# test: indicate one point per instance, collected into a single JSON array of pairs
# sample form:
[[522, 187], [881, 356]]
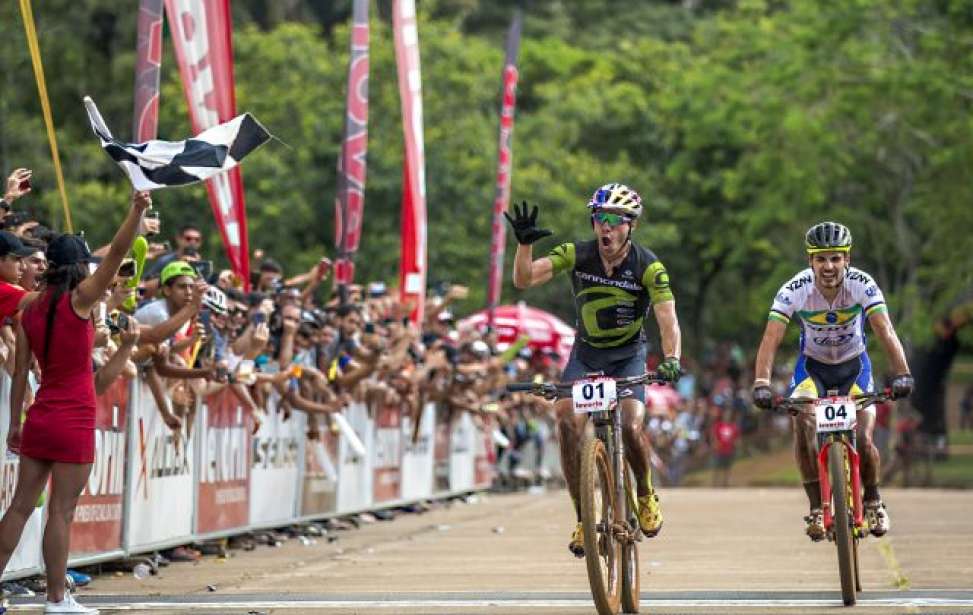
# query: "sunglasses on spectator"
[[604, 217]]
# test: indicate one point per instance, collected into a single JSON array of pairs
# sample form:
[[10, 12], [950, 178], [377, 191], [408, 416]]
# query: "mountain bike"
[[838, 471], [607, 496]]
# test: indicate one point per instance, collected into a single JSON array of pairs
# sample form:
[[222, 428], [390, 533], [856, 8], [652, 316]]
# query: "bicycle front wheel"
[[840, 496], [630, 549], [598, 506]]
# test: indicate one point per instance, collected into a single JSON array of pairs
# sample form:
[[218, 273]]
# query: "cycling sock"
[[813, 489], [871, 493]]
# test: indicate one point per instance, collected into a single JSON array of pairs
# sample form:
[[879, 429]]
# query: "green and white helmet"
[[827, 237]]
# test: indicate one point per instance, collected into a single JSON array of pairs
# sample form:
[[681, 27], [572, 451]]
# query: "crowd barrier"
[[151, 490]]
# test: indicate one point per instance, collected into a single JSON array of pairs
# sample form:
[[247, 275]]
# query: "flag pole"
[[35, 56]]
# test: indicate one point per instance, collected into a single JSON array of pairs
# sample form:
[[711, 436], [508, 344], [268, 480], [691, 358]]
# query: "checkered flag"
[[159, 164]]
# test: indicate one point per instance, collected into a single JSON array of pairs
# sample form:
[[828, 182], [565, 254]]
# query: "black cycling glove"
[[525, 225], [902, 386], [763, 397]]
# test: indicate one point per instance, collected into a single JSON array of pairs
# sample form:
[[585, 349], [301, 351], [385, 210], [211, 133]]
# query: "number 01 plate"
[[593, 395], [836, 414]]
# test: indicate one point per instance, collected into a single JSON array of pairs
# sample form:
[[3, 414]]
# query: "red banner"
[[412, 264], [224, 464], [504, 166], [202, 39], [387, 460], [97, 526], [147, 67], [350, 201]]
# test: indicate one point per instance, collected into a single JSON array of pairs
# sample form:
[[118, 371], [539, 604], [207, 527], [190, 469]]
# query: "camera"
[[117, 323], [204, 269], [127, 269]]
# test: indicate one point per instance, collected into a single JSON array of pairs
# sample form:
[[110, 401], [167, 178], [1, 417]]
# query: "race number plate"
[[836, 414], [593, 395]]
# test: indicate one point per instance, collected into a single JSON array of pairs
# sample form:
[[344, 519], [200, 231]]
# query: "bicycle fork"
[[852, 468]]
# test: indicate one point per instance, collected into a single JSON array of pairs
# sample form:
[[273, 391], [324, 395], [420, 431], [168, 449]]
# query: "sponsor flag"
[[501, 197], [412, 263], [147, 67], [202, 39], [350, 199]]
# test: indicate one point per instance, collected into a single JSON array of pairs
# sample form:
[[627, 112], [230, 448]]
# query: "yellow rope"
[[35, 56]]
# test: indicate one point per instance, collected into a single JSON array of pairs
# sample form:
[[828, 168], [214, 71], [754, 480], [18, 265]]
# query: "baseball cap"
[[11, 244], [68, 249], [176, 269]]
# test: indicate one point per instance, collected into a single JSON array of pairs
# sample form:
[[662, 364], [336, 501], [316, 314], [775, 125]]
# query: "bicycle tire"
[[842, 522], [631, 586], [601, 550], [858, 576]]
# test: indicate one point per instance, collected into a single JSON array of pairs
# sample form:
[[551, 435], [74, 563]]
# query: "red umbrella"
[[546, 331]]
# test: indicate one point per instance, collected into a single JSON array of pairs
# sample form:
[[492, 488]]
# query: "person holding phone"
[[18, 184], [57, 441]]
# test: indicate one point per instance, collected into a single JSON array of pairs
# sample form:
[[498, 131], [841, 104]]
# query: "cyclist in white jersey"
[[832, 300]]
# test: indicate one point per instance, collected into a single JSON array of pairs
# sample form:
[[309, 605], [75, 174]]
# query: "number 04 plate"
[[836, 414], [593, 395]]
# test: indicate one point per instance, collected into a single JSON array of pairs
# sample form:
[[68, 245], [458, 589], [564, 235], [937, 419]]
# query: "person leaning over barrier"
[[57, 440]]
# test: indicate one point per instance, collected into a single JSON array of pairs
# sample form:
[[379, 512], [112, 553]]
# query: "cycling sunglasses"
[[604, 217]]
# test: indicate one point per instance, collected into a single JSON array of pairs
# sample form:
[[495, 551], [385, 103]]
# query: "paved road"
[[730, 551]]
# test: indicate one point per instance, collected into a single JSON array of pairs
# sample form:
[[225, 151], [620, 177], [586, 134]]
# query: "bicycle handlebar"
[[551, 389], [797, 405]]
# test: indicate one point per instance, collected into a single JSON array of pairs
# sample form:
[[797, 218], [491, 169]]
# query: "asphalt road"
[[720, 551]]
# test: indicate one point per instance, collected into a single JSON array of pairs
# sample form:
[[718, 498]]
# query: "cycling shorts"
[[633, 365], [813, 378]]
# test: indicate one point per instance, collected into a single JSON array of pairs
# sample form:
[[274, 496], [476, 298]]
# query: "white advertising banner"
[[417, 456], [462, 451], [355, 472], [161, 495], [277, 461]]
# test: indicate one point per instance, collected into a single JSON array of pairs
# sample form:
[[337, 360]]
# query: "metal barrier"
[[150, 489]]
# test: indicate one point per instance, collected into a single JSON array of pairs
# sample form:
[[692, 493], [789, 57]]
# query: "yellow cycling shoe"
[[650, 514], [576, 546]]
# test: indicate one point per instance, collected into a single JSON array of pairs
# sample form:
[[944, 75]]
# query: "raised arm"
[[527, 271], [92, 288]]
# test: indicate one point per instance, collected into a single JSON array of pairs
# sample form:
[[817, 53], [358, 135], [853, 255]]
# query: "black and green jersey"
[[611, 309]]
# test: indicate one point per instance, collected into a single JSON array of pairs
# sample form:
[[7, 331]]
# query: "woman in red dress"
[[57, 439]]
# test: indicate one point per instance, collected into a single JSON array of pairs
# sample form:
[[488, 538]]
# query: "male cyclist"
[[615, 281], [832, 300]]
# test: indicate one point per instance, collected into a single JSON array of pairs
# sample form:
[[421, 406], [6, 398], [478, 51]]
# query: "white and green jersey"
[[832, 332]]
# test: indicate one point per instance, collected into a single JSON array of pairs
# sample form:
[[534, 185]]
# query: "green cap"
[[176, 269]]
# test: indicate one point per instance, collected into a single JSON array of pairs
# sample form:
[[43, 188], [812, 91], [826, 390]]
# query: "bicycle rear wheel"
[[630, 550], [598, 508], [842, 521]]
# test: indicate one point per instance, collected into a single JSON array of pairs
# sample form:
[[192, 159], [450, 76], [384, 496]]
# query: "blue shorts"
[[629, 366], [814, 379]]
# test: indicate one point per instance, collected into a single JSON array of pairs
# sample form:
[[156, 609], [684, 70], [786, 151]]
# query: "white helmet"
[[215, 300]]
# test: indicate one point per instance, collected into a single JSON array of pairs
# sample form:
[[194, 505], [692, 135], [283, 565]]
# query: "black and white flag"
[[159, 164]]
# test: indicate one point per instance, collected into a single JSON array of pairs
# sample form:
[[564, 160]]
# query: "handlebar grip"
[[516, 387]]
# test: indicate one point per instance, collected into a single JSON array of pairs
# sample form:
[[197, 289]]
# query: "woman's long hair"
[[59, 280]]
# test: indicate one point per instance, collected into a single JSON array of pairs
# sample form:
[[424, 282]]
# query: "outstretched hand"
[[524, 225]]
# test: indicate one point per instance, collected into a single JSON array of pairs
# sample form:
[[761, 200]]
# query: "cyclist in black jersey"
[[615, 281]]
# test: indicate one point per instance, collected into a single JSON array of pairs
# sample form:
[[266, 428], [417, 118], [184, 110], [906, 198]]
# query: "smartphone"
[[259, 318], [204, 269], [369, 327], [127, 270], [25, 184], [154, 214]]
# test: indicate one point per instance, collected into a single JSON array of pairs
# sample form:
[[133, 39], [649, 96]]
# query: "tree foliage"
[[741, 123]]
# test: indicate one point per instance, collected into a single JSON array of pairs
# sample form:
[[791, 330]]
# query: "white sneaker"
[[68, 605]]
